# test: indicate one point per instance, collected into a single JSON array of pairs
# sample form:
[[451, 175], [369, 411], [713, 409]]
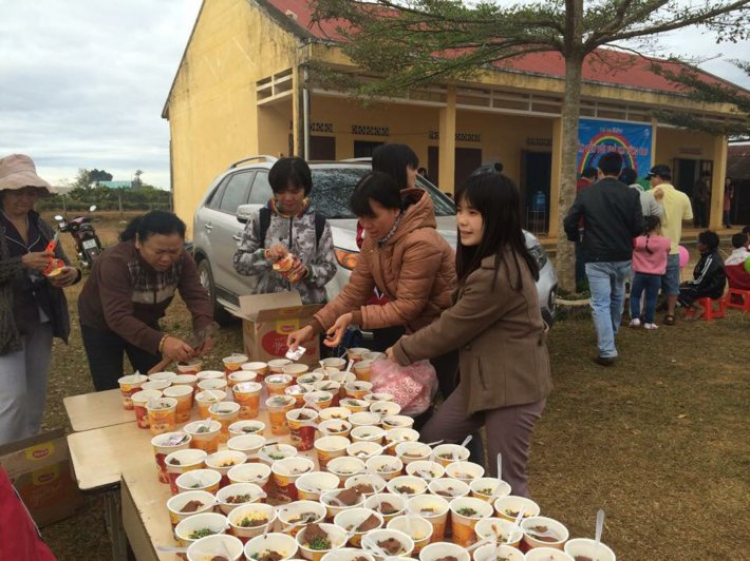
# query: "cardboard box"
[[41, 472], [267, 320]]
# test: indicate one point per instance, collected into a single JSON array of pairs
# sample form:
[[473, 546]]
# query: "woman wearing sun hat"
[[33, 308]]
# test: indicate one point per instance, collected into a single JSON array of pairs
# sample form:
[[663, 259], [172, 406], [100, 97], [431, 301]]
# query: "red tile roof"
[[605, 66]]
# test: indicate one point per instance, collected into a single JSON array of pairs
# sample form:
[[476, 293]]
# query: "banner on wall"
[[632, 140]]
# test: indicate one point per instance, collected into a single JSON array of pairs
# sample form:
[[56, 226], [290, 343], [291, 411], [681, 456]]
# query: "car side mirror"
[[244, 212]]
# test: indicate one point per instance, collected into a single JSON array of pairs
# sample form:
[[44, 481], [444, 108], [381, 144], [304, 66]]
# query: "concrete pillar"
[[447, 166], [296, 111], [555, 176], [654, 128], [717, 182]]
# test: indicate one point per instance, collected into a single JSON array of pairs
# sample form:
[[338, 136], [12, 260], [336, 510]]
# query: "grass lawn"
[[660, 441]]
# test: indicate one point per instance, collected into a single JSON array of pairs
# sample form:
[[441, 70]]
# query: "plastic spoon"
[[463, 445], [598, 535]]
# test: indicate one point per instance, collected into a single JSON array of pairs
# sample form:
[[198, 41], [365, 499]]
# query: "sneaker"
[[650, 326], [635, 322], [604, 360]]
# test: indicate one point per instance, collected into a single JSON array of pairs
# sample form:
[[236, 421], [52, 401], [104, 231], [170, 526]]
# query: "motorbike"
[[88, 246]]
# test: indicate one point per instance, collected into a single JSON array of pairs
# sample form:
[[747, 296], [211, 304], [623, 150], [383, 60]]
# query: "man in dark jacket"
[[612, 214]]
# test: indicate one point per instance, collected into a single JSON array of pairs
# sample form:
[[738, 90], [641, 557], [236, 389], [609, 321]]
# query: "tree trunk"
[[565, 261]]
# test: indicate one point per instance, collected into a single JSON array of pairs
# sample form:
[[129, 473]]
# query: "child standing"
[[649, 264], [709, 275]]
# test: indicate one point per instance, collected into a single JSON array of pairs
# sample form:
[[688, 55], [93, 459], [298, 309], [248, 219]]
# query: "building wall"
[[212, 110], [674, 144]]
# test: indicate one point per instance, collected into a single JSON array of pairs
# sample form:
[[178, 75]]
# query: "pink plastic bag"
[[412, 387]]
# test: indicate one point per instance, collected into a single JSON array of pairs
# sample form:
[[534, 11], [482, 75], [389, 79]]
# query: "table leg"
[[113, 517]]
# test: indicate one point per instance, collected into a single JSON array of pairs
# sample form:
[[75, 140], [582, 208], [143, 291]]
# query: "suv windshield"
[[332, 188]]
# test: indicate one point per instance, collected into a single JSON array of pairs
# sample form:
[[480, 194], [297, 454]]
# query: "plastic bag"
[[413, 387]]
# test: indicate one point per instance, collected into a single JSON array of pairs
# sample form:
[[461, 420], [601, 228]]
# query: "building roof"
[[605, 66]]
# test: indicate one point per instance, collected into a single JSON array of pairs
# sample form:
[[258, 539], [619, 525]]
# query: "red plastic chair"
[[710, 312], [737, 299]]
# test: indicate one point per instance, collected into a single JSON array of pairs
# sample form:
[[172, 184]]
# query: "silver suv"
[[243, 189]]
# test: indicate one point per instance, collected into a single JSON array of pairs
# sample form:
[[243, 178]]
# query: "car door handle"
[[208, 226], [237, 237]]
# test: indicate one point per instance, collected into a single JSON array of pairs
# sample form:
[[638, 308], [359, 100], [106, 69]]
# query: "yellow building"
[[247, 85]]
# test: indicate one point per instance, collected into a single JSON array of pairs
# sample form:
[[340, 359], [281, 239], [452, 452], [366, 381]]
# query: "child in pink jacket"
[[649, 264]]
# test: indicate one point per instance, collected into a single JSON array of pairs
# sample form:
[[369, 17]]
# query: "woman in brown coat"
[[497, 327]]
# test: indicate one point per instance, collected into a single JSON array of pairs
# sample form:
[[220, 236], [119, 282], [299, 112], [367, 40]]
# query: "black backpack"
[[264, 219]]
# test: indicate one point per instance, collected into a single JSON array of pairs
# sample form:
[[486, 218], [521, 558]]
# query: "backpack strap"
[[320, 224], [264, 222]]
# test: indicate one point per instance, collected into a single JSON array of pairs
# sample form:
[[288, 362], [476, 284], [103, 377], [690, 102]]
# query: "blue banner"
[[631, 140]]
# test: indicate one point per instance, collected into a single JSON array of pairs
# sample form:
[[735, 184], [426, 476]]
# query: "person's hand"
[[299, 337], [389, 355], [337, 330], [205, 348], [68, 276], [177, 350], [296, 274], [37, 260], [658, 194], [276, 252]]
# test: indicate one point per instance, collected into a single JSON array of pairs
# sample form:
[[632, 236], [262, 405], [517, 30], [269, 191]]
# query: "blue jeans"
[[607, 284], [650, 284]]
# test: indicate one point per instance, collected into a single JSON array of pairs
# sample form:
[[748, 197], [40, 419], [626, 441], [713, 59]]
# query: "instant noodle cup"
[[184, 397], [449, 488], [311, 485], [215, 547], [260, 368], [334, 388], [185, 380], [400, 435], [443, 550], [164, 444], [199, 480], [158, 385], [256, 473], [465, 513], [318, 400], [489, 488], [343, 378], [308, 380], [446, 454], [162, 414], [540, 531], [413, 452], [464, 471], [295, 370], [274, 452], [397, 422], [547, 554], [210, 375], [333, 362], [191, 367], [156, 376], [344, 467], [498, 530], [347, 554], [386, 467], [128, 386], [355, 353], [509, 507], [183, 461], [234, 361], [363, 370], [140, 399], [223, 460], [336, 540], [335, 428], [278, 383], [584, 547], [354, 405], [387, 505], [247, 395], [225, 413], [205, 435], [337, 413], [297, 393], [295, 516], [285, 546], [206, 398], [212, 384], [492, 552], [367, 484], [189, 504], [241, 428], [373, 355], [367, 433], [285, 474], [376, 537], [328, 448], [238, 494], [241, 377], [425, 469], [364, 450], [302, 427], [407, 485], [326, 371], [379, 397], [358, 389], [385, 408], [249, 444], [352, 519], [417, 528], [334, 505], [251, 520], [364, 419], [278, 406], [200, 526], [434, 510], [276, 366]]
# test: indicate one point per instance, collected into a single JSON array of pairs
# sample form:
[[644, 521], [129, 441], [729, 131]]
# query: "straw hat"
[[18, 171]]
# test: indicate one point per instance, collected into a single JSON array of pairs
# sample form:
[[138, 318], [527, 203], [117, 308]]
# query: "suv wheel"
[[206, 278]]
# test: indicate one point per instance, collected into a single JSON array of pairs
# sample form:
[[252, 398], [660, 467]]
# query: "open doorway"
[[536, 175], [467, 160]]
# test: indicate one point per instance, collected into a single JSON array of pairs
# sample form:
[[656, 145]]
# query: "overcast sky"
[[83, 82]]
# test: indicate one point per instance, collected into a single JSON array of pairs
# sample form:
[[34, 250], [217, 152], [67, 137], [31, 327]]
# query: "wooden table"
[[96, 410]]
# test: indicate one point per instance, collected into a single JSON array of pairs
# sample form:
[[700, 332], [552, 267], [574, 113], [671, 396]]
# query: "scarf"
[[389, 235], [275, 208]]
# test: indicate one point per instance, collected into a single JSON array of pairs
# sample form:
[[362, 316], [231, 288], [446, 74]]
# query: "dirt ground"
[[660, 441]]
